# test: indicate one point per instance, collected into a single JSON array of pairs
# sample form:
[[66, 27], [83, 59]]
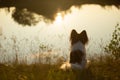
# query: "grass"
[[24, 72], [101, 68]]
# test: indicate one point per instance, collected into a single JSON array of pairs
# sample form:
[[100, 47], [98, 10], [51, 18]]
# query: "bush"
[[113, 47]]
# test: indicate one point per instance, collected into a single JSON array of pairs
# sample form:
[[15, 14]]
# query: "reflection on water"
[[99, 23], [48, 8], [24, 13], [25, 17]]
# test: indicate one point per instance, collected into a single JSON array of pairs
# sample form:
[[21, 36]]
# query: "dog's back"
[[76, 56], [78, 52]]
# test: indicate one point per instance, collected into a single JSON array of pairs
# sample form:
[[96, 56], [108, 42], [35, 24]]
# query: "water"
[[99, 22]]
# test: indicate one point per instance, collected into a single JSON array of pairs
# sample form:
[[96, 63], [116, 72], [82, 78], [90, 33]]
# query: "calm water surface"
[[99, 22]]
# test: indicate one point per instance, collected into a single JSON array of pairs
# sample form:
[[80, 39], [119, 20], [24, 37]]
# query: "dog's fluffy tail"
[[67, 66]]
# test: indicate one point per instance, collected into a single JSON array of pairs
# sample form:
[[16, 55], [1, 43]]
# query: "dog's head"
[[75, 37]]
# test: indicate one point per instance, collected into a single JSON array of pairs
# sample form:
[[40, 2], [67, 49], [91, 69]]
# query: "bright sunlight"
[[58, 18]]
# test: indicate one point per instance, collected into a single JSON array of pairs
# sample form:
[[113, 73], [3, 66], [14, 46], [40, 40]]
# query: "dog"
[[78, 51]]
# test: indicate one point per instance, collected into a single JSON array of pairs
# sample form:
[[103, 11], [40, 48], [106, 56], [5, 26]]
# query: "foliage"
[[25, 17], [102, 68], [114, 46]]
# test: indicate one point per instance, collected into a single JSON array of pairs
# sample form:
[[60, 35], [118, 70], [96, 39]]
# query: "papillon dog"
[[78, 51]]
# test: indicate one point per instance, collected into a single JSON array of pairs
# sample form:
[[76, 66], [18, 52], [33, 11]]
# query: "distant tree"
[[24, 17], [114, 46]]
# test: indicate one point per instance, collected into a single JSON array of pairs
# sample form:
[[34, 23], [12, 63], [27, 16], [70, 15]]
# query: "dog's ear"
[[73, 34], [83, 37]]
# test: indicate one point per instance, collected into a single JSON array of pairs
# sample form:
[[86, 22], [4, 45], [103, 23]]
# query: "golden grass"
[[104, 68]]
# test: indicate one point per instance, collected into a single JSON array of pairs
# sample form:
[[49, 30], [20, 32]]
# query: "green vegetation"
[[102, 67], [113, 47]]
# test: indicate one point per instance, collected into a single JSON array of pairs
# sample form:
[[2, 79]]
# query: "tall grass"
[[102, 67]]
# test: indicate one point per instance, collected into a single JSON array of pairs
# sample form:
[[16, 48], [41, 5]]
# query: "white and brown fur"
[[78, 51]]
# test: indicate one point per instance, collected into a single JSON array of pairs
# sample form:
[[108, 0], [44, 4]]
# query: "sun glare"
[[58, 23], [58, 18]]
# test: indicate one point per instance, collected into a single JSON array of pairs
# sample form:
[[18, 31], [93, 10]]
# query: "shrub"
[[113, 47]]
